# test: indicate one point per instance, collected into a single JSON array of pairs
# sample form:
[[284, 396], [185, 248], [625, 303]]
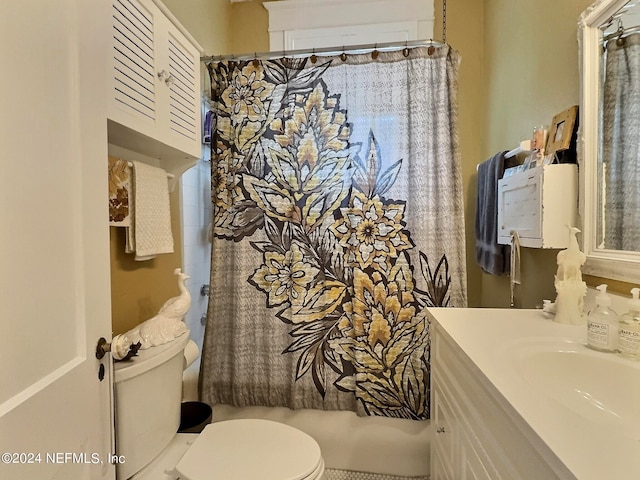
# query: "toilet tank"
[[148, 394]]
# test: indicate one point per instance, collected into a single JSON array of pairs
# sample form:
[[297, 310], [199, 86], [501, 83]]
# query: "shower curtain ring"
[[314, 59], [256, 62], [431, 48], [343, 55], [405, 51], [620, 40], [375, 52]]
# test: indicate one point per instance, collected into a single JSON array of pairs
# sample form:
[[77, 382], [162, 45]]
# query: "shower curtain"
[[338, 218], [620, 156]]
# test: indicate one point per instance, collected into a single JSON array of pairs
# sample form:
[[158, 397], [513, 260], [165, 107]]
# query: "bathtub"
[[386, 446], [379, 445]]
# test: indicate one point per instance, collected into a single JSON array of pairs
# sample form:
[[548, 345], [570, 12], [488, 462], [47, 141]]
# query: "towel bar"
[[524, 147], [169, 175]]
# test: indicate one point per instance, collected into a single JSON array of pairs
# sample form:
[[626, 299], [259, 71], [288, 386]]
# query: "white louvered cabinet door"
[[182, 86], [133, 101], [154, 104]]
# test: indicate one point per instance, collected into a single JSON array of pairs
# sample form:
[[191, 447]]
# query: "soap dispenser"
[[630, 328], [602, 324]]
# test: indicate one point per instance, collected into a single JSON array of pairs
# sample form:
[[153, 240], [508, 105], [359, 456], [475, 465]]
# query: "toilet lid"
[[250, 449]]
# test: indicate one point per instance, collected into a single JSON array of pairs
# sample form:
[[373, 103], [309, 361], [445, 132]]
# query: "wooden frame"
[[561, 131]]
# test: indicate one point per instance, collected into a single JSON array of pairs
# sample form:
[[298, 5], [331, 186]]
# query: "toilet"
[[148, 395]]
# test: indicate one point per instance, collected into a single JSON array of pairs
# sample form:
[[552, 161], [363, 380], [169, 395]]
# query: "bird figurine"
[[158, 330], [568, 282], [177, 307], [570, 260]]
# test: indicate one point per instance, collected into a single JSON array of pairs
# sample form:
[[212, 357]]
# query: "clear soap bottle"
[[602, 324], [629, 344]]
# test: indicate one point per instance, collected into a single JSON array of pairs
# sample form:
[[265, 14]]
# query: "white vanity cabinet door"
[[474, 465], [456, 452], [538, 204], [445, 449], [154, 100], [477, 436]]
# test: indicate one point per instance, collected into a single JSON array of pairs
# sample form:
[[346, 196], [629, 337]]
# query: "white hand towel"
[[150, 234]]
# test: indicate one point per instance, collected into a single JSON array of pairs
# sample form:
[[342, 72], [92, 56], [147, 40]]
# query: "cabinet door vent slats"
[[137, 25], [133, 53], [183, 104]]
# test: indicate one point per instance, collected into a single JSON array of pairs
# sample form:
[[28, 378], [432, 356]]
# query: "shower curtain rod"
[[621, 33], [380, 47]]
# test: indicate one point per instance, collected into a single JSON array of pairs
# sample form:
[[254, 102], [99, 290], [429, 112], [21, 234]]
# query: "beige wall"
[[250, 27], [465, 29], [531, 68], [208, 21], [138, 289]]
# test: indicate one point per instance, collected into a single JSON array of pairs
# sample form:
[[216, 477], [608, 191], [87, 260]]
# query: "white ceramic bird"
[[177, 307], [162, 328], [570, 260]]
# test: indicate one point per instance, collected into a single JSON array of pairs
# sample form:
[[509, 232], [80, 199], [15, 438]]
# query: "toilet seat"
[[251, 449]]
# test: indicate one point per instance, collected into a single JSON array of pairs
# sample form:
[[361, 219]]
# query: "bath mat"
[[332, 474]]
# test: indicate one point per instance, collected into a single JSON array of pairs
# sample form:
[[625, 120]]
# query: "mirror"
[[609, 139]]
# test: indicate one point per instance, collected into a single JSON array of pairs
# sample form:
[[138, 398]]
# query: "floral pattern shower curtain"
[[338, 219]]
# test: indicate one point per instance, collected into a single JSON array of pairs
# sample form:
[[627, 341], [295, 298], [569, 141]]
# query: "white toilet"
[[148, 394]]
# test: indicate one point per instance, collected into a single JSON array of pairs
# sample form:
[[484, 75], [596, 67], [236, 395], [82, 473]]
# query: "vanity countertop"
[[584, 405]]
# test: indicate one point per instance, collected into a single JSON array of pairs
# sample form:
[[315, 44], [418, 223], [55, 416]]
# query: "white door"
[[55, 414]]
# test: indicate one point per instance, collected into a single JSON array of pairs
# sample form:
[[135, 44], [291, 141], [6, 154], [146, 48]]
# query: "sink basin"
[[601, 387]]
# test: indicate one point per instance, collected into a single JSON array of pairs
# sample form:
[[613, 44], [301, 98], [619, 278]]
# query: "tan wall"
[[138, 289], [531, 68], [208, 21], [465, 29], [250, 27]]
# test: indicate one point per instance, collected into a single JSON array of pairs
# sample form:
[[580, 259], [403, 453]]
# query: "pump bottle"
[[602, 324], [629, 345]]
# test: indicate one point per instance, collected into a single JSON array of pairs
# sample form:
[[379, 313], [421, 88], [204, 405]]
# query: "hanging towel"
[[492, 257], [150, 233], [119, 193]]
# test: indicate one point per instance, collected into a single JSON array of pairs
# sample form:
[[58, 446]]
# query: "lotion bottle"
[[602, 324], [629, 345]]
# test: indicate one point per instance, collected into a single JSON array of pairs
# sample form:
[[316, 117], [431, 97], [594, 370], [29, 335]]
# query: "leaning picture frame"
[[561, 131]]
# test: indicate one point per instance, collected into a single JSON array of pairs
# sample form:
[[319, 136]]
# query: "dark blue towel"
[[492, 257]]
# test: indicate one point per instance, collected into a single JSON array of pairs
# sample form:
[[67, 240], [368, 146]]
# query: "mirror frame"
[[612, 264]]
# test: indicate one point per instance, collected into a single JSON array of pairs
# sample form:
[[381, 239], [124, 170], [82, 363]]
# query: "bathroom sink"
[[601, 387]]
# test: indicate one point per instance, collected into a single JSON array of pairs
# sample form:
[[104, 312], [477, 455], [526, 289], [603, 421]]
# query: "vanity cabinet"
[[154, 105], [538, 204], [477, 435]]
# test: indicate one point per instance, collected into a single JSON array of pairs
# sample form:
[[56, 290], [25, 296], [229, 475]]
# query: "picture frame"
[[562, 129]]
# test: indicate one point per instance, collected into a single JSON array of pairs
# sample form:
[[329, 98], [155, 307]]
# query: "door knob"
[[102, 348]]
